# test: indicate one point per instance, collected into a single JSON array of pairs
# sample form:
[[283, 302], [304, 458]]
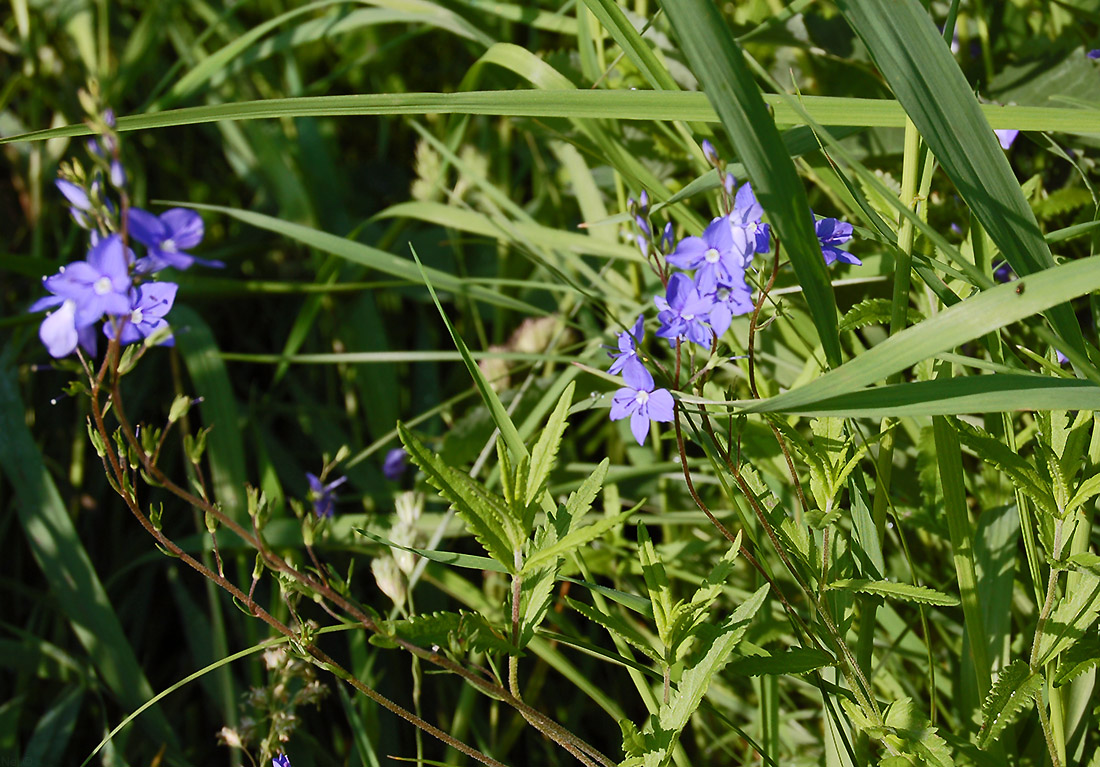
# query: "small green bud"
[[180, 406]]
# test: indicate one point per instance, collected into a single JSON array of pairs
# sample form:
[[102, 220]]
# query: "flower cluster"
[[112, 282], [701, 300]]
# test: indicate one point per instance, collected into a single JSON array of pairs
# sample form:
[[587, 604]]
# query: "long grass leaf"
[[983, 313]]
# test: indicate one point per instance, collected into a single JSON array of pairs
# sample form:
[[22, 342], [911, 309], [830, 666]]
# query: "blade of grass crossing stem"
[[922, 72], [68, 570], [983, 313], [686, 106], [224, 444], [720, 65], [492, 401]]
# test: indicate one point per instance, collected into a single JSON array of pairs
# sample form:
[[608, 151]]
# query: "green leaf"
[[1072, 617], [618, 626], [484, 513], [443, 557], [905, 591], [719, 63], [694, 682], [912, 734], [1077, 659], [545, 450], [796, 660], [873, 311], [922, 72], [638, 604], [577, 537], [1016, 687], [52, 732], [656, 581], [983, 313], [1023, 473], [460, 632]]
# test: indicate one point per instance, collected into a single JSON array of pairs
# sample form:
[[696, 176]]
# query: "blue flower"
[[718, 256], [831, 232], [1094, 54], [323, 497], [167, 238], [394, 464], [683, 311], [746, 215], [730, 301], [1003, 273], [280, 760], [98, 286], [148, 305], [639, 400], [628, 347]]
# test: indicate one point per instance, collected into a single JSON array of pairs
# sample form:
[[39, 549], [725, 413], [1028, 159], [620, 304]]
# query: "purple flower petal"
[[660, 406], [185, 227], [637, 377], [74, 194], [623, 403], [58, 330], [1006, 137], [394, 465], [145, 227], [639, 426]]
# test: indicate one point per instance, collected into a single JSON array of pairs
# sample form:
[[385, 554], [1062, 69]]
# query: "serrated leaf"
[[575, 540], [460, 632], [484, 514], [656, 581], [638, 604], [1071, 618], [580, 500], [619, 626], [1023, 474], [904, 591], [674, 715], [1085, 492], [443, 557], [1078, 658], [1016, 686], [913, 734], [536, 593], [545, 450], [796, 660]]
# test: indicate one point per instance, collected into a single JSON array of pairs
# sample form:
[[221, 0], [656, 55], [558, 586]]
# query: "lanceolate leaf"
[[694, 681], [1072, 618], [796, 660], [575, 540], [487, 518], [1077, 659], [618, 626], [904, 591], [917, 63], [1016, 687], [546, 449]]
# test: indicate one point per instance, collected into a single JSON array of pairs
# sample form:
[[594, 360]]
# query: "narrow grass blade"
[[720, 66], [686, 106], [957, 396], [613, 19], [443, 557], [983, 313]]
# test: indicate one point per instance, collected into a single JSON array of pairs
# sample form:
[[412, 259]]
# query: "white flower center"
[[102, 286], [688, 317], [641, 397], [723, 294], [169, 246], [711, 256], [136, 316]]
